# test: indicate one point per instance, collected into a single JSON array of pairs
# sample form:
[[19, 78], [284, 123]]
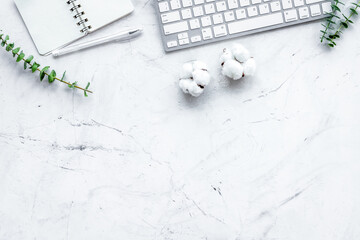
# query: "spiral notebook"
[[55, 24]]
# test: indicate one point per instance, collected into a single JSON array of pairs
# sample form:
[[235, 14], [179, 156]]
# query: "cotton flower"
[[236, 62], [190, 87], [240, 53], [195, 77], [233, 69], [226, 55], [249, 67]]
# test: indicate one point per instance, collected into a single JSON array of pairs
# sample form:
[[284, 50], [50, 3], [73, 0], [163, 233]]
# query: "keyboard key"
[[233, 4], [218, 18], [172, 44], [170, 17], [275, 6], [313, 1], [164, 6], [326, 7], [197, 2], [205, 21], [184, 41], [183, 35], [290, 15], [221, 6], [315, 10], [252, 11], [207, 33], [264, 8], [244, 3], [195, 39], [194, 23], [255, 23], [298, 3], [187, 3], [186, 13], [209, 8], [304, 12], [198, 11], [176, 27], [220, 31], [286, 4], [240, 13], [175, 4], [229, 16], [255, 1]]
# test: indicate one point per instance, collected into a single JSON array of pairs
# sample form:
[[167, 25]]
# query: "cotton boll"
[[197, 65], [196, 77], [201, 77], [250, 67], [187, 70], [190, 87], [233, 69], [226, 55], [240, 53]]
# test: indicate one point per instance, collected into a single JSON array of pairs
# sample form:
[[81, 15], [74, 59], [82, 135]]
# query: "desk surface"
[[271, 157]]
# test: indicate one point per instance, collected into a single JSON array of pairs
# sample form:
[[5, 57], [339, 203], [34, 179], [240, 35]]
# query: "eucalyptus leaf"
[[28, 61], [72, 85], [52, 76], [9, 47], [63, 77], [20, 57], [35, 67], [15, 51], [43, 72]]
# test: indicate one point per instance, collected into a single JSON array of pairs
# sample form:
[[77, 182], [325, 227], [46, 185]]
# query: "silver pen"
[[121, 36]]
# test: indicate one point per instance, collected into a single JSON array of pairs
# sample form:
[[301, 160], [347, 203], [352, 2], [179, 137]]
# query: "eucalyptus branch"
[[335, 8], [344, 22], [35, 67]]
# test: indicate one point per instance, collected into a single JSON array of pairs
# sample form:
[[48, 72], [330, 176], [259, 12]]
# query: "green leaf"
[[331, 45], [9, 47], [15, 51], [335, 8], [34, 67], [357, 5], [43, 71], [63, 76], [52, 76], [353, 11], [344, 24], [87, 87], [73, 85], [28, 61], [4, 41], [20, 57]]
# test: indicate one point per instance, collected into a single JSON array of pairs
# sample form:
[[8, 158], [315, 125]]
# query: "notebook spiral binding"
[[79, 15]]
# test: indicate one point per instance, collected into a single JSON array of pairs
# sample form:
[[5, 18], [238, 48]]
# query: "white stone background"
[[275, 156]]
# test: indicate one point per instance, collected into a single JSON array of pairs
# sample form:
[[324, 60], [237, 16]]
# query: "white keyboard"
[[189, 23]]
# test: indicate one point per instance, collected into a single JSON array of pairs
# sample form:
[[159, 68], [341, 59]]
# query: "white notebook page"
[[50, 23]]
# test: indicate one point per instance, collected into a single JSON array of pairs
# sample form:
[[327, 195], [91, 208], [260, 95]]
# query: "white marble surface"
[[272, 157]]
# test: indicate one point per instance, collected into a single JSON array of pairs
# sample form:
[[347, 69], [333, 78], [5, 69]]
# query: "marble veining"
[[275, 156]]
